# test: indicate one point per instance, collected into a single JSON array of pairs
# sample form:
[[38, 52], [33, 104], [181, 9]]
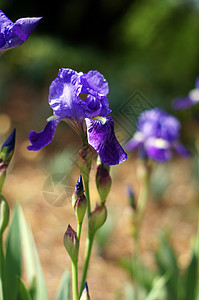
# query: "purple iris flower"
[[82, 100], [14, 34], [190, 100], [156, 136]]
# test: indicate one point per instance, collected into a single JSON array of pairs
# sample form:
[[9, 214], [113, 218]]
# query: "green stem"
[[79, 230], [2, 268], [86, 262], [141, 206], [75, 281], [86, 186]]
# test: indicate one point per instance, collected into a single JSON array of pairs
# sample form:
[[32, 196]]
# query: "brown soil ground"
[[177, 211]]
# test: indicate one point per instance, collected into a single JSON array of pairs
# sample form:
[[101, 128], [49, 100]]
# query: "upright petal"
[[102, 138], [97, 107], [40, 139], [63, 96], [95, 84]]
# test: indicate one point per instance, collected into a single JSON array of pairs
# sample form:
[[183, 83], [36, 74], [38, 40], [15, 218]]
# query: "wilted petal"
[[158, 149], [40, 139], [102, 138]]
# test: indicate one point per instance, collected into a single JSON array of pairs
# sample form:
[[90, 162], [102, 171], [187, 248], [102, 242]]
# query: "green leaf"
[[167, 263], [158, 290], [191, 278], [32, 264], [191, 274], [64, 289], [13, 256], [133, 293], [23, 293], [139, 273]]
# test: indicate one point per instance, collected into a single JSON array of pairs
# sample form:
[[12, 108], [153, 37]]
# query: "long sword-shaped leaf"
[[64, 289], [13, 257], [158, 290], [23, 293], [191, 283], [32, 264]]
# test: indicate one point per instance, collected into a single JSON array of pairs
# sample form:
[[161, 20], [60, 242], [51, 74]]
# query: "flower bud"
[[79, 201], [84, 161], [4, 214], [131, 197], [97, 218], [103, 181], [6, 153], [71, 243], [85, 293]]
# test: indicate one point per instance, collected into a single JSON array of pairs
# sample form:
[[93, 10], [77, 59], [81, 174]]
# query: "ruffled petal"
[[40, 139], [63, 96], [158, 149], [97, 107], [95, 84], [102, 138], [135, 142]]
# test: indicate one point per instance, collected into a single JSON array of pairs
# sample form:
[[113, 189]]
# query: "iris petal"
[[14, 34], [180, 149], [158, 149], [183, 103], [135, 142], [102, 138], [63, 97], [40, 139], [95, 84]]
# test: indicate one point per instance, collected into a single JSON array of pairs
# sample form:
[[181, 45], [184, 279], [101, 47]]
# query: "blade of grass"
[[13, 256]]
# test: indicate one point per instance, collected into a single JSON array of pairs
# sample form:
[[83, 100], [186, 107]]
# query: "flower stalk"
[[86, 262], [143, 174]]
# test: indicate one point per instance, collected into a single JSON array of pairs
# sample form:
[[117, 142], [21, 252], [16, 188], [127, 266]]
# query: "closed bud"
[[79, 201], [71, 243], [131, 197], [97, 218], [85, 293], [6, 153], [84, 161], [4, 214], [103, 181]]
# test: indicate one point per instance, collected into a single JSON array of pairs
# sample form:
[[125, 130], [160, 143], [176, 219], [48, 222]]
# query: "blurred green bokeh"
[[147, 46]]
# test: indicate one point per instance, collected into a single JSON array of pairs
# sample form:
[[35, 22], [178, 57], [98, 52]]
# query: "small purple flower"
[[82, 99], [14, 34], [156, 136], [190, 100]]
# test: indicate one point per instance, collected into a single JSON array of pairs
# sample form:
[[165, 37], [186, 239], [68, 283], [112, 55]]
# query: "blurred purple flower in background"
[[14, 34], [81, 99], [156, 136], [190, 100]]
